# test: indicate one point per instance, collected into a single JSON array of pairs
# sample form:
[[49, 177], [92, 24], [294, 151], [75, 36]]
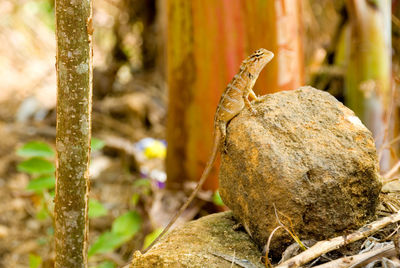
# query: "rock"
[[207, 242], [309, 156]]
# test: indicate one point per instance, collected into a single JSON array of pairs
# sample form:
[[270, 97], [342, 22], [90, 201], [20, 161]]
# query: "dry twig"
[[328, 245], [360, 259]]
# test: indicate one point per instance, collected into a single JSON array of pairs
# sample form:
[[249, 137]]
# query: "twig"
[[360, 259], [392, 171], [232, 259], [267, 262], [328, 245], [290, 232]]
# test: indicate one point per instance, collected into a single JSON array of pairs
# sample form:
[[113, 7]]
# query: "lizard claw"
[[252, 111]]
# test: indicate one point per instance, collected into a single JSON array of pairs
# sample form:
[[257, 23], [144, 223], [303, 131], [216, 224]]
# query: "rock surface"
[[309, 156], [206, 242]]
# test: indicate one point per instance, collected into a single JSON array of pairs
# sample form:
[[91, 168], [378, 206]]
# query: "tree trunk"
[[368, 79], [74, 102], [205, 46]]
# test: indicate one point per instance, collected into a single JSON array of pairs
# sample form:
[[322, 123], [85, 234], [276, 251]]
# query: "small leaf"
[[34, 261], [151, 236], [96, 144], [141, 183], [52, 193], [96, 209], [36, 165], [50, 230], [217, 199], [123, 229], [35, 148], [42, 183], [106, 264], [135, 199], [127, 224], [107, 242], [42, 241], [42, 214]]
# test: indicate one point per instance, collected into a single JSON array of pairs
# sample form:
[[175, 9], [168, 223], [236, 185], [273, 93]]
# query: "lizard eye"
[[257, 54]]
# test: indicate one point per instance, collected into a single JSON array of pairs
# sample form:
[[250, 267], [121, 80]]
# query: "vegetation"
[[141, 48]]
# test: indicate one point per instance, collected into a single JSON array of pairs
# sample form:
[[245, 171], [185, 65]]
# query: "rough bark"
[[74, 101]]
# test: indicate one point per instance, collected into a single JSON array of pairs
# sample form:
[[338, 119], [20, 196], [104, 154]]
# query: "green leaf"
[[217, 199], [96, 209], [127, 224], [36, 165], [106, 264], [34, 261], [42, 214], [151, 237], [107, 242], [96, 144], [141, 183], [52, 193], [42, 183], [135, 199], [42, 241], [50, 230], [35, 148], [123, 229]]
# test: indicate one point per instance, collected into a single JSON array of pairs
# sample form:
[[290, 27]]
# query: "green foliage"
[[135, 199], [96, 209], [151, 237], [36, 165], [141, 183], [34, 261], [35, 148], [106, 264], [123, 229], [96, 144], [127, 224], [42, 214], [217, 199], [45, 182], [42, 9]]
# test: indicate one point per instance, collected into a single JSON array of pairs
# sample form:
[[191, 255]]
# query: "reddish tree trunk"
[[206, 44]]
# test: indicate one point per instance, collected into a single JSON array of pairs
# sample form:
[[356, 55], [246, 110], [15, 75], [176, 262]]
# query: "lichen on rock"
[[201, 243]]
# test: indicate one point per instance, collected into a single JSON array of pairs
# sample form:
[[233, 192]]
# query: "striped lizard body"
[[232, 102]]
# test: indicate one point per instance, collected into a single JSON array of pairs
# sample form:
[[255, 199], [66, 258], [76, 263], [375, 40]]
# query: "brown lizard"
[[232, 101]]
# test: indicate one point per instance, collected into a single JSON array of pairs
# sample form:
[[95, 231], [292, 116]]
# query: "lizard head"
[[256, 61]]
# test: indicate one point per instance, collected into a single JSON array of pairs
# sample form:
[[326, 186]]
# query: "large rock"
[[309, 156], [208, 242]]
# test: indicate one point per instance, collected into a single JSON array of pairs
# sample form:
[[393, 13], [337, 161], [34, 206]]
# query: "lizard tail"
[[206, 172]]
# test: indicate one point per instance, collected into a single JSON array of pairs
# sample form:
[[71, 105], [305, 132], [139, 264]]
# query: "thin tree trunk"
[[368, 78], [395, 124], [74, 102], [206, 44]]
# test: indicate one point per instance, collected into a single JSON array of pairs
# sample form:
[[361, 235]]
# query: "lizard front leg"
[[253, 95], [248, 104]]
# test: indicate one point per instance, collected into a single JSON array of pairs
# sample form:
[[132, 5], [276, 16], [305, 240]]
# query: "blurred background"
[[151, 56]]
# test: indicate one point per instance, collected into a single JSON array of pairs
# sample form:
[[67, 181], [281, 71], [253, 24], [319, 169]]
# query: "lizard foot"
[[252, 111]]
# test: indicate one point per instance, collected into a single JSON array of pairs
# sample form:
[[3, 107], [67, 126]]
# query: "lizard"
[[232, 102]]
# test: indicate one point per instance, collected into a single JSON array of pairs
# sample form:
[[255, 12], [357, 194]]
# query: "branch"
[[325, 246]]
